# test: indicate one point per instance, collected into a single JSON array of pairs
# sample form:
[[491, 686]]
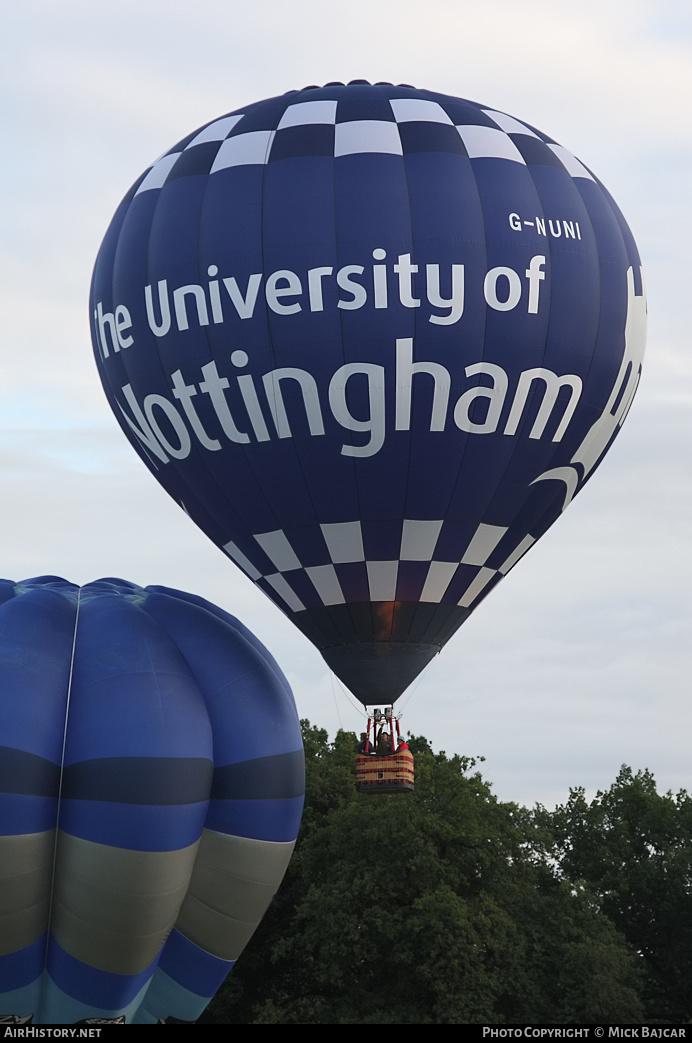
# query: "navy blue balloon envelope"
[[151, 788], [373, 339]]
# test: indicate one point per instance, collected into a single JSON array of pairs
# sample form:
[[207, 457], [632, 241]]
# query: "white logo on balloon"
[[597, 440]]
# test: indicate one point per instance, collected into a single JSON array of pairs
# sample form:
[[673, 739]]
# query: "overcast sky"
[[581, 660]]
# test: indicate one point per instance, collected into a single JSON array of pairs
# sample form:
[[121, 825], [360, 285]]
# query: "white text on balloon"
[[503, 290], [166, 432]]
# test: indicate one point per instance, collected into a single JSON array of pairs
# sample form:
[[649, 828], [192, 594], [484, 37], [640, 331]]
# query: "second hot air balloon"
[[373, 339], [151, 787]]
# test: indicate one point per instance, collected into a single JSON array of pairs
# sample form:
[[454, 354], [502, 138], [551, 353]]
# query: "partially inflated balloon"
[[151, 787], [373, 339]]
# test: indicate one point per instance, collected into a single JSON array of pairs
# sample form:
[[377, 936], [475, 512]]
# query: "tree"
[[437, 907], [634, 848]]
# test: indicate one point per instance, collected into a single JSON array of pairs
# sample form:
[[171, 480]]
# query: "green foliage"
[[634, 847], [329, 769], [447, 906]]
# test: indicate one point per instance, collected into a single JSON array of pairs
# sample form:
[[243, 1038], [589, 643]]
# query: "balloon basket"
[[384, 763], [384, 774]]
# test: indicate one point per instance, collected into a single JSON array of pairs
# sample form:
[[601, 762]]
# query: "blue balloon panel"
[[151, 788], [373, 339]]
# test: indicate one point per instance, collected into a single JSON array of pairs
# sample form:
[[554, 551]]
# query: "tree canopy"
[[448, 906]]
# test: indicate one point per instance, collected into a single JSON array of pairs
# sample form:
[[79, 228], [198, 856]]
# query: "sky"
[[579, 662]]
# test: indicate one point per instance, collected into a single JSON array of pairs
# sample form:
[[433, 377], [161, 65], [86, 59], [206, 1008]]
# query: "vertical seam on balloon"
[[200, 453], [436, 97], [202, 456], [287, 611], [266, 304], [153, 342], [415, 316], [610, 202], [202, 691], [483, 349], [527, 418], [526, 415], [352, 461], [264, 274], [246, 527], [57, 815], [415, 333], [121, 356], [515, 449]]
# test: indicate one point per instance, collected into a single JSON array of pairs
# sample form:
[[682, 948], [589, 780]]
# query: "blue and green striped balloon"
[[151, 788]]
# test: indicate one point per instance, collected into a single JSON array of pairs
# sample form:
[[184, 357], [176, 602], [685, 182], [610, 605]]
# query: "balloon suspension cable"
[[410, 691], [357, 706], [336, 703]]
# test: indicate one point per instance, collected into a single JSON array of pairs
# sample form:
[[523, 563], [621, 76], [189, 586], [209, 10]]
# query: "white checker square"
[[439, 577], [367, 136], [488, 143], [418, 110], [159, 172], [382, 579], [517, 553], [240, 559], [277, 548], [508, 123], [476, 586], [216, 131], [570, 162], [344, 541], [326, 583], [418, 539], [308, 112], [286, 592], [244, 149], [484, 541]]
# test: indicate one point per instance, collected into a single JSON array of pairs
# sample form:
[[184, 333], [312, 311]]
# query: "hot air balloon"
[[151, 788], [373, 340]]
